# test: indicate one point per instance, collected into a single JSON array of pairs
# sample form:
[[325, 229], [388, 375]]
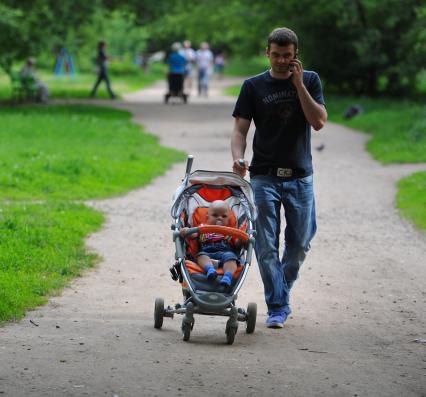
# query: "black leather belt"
[[280, 172]]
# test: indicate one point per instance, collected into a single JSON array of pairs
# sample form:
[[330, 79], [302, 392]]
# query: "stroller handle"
[[189, 161], [225, 230]]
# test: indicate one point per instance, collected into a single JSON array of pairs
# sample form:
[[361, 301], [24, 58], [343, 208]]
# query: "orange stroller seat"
[[199, 217]]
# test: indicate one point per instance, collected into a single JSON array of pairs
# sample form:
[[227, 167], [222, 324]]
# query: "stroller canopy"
[[214, 179]]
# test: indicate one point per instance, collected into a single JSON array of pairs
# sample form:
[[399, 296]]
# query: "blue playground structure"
[[64, 64]]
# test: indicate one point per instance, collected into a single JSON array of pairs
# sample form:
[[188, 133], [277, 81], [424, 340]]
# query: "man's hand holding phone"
[[296, 69]]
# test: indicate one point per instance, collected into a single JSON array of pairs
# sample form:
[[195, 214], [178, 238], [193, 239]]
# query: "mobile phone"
[[291, 66]]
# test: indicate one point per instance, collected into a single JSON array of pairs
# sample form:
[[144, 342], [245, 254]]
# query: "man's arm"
[[314, 112], [239, 144]]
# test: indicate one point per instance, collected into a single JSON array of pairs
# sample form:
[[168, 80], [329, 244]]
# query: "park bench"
[[23, 87]]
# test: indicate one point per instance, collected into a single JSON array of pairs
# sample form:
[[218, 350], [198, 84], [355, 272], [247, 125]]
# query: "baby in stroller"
[[217, 208], [217, 250]]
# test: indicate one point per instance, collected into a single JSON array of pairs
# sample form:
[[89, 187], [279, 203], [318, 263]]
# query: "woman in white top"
[[204, 64], [190, 57]]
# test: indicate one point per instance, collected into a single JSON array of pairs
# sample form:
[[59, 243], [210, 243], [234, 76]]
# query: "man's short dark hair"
[[283, 37]]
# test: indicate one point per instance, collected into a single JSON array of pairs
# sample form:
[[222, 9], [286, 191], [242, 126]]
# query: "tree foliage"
[[362, 46], [12, 43], [357, 46], [28, 27], [236, 25]]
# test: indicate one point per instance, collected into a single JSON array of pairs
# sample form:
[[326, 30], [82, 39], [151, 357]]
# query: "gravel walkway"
[[358, 307]]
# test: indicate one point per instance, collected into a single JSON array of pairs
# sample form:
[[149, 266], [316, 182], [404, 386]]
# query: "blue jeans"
[[102, 75], [203, 81], [297, 197]]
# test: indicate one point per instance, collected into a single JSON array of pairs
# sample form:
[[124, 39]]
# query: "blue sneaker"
[[276, 319], [226, 280], [211, 273]]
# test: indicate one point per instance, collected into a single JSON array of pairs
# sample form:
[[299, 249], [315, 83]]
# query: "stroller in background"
[[203, 296], [175, 81]]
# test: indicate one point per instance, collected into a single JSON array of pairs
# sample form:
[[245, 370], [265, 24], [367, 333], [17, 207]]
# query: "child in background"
[[219, 64]]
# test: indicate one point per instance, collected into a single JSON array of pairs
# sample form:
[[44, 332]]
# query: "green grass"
[[122, 81], [75, 152], [233, 91], [50, 157], [41, 249], [411, 198]]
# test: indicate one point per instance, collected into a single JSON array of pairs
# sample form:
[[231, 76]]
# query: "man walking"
[[101, 62], [204, 59], [284, 102]]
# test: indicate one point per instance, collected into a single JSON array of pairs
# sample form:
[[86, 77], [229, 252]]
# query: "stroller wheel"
[[186, 331], [232, 326], [158, 313], [230, 334], [188, 321], [251, 317]]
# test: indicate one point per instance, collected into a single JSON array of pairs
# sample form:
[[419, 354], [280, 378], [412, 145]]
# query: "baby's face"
[[218, 216]]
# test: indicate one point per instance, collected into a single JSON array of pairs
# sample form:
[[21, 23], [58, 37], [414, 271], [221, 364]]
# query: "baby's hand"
[[239, 243], [183, 231]]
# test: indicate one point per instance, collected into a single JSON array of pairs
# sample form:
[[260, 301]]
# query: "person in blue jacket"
[[177, 67]]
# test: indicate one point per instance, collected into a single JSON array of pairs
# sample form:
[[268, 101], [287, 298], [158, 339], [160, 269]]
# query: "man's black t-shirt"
[[283, 135]]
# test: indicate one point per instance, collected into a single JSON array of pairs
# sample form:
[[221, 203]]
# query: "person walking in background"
[[219, 64], [204, 64], [177, 64], [101, 63], [284, 102], [190, 57]]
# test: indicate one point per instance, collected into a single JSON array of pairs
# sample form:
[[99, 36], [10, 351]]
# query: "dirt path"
[[357, 308]]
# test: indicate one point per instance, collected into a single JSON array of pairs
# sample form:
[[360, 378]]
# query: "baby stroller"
[[175, 81], [203, 296]]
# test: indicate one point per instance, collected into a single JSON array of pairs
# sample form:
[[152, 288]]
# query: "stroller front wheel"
[[251, 317], [158, 313], [232, 326], [230, 334], [188, 321], [186, 331]]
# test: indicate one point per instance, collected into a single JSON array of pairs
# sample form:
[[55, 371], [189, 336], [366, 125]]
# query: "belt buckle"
[[284, 172]]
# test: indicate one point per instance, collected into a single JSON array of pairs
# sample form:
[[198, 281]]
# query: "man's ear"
[[267, 52]]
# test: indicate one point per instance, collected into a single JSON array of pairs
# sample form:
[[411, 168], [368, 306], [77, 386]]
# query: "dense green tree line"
[[41, 27], [29, 27], [358, 46]]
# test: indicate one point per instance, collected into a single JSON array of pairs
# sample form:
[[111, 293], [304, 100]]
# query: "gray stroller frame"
[[202, 296]]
